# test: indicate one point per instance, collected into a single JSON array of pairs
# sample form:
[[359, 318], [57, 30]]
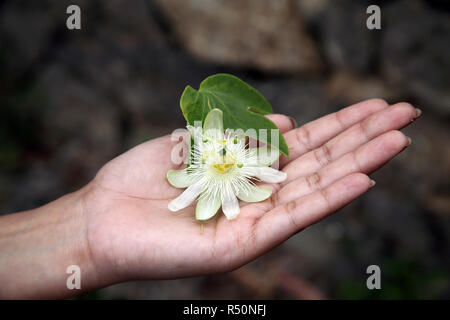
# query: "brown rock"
[[263, 34], [351, 88]]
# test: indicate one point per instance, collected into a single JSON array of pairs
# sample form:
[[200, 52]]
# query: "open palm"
[[133, 235]]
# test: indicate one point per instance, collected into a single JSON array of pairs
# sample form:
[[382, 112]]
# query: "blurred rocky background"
[[72, 100]]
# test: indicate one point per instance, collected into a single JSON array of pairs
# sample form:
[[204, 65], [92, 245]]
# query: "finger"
[[285, 220], [392, 118], [366, 159], [284, 123], [317, 132]]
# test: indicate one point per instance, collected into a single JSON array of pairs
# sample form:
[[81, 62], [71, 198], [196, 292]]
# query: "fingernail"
[[418, 112], [409, 141], [372, 183], [294, 123]]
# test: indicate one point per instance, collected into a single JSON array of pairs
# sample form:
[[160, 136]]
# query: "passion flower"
[[222, 170]]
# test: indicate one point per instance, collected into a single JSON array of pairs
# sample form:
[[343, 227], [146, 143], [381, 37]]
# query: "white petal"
[[207, 207], [255, 194], [186, 198], [179, 178], [213, 126], [230, 204], [266, 174]]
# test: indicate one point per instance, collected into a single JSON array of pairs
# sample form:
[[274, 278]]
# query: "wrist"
[[79, 249], [38, 246], [97, 271]]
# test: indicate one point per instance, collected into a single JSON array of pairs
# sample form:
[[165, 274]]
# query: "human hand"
[[131, 234]]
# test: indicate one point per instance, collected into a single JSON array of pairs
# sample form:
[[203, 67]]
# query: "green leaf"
[[243, 107]]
